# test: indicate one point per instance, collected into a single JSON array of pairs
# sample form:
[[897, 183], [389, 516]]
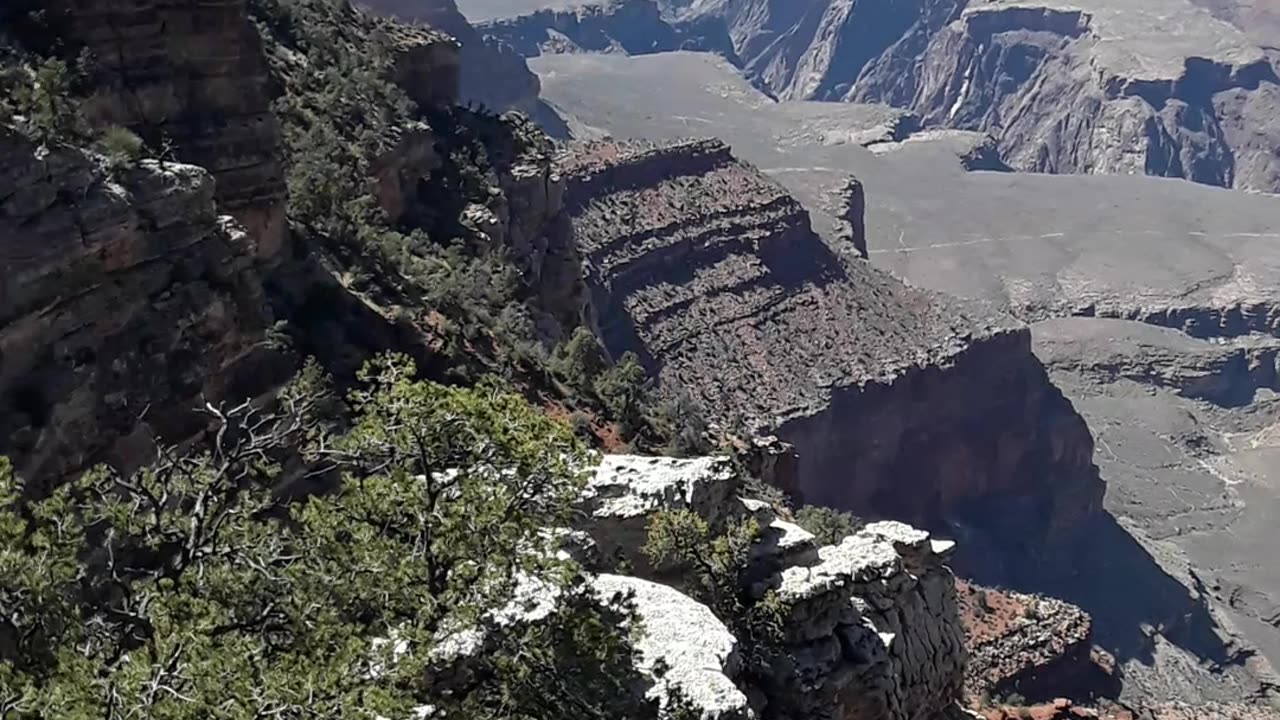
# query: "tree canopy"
[[422, 581]]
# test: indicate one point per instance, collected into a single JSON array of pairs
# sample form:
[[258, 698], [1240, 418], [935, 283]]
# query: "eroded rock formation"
[[194, 75], [870, 627], [634, 27], [493, 73], [1037, 648], [126, 302], [1161, 88], [901, 403]]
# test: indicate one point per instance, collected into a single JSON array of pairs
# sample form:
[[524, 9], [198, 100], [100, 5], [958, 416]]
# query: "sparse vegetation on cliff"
[[195, 589], [711, 567]]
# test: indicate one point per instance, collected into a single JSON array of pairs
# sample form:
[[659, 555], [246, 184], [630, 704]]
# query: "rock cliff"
[[902, 403], [126, 302], [870, 627], [493, 73], [193, 75], [633, 27], [1036, 648], [1161, 88]]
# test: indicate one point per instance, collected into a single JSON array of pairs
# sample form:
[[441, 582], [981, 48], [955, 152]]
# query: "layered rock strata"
[[870, 627], [191, 76], [1160, 88], [126, 303], [900, 402], [634, 27]]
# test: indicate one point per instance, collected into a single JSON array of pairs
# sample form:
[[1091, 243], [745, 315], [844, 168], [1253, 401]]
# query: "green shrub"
[[193, 590], [829, 525], [120, 146], [712, 570]]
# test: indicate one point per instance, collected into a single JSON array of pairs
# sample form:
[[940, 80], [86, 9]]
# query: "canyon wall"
[[870, 628], [1131, 87], [634, 27], [193, 77], [126, 303], [903, 403], [493, 73]]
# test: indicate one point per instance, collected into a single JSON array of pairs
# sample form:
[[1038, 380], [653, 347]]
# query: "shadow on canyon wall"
[[1105, 570]]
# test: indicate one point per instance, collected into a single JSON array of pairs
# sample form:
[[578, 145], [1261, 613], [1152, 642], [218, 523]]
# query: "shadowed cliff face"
[[901, 403], [121, 311], [493, 73], [192, 77]]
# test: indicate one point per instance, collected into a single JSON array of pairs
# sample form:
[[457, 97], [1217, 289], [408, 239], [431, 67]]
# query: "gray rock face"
[[493, 73], [195, 75], [870, 626], [872, 630], [119, 311], [633, 27], [698, 652], [1155, 87], [625, 490]]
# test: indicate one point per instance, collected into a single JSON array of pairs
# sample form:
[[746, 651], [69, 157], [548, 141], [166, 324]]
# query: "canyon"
[[1156, 87], [1169, 284], [914, 241]]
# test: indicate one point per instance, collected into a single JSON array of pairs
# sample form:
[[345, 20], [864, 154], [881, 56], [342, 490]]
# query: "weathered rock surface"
[[193, 74], [698, 653], [1159, 87], [633, 27], [125, 303], [712, 274], [493, 73], [1037, 648], [626, 490], [870, 627], [872, 630], [428, 66]]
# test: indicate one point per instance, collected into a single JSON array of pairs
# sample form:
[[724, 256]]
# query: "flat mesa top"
[[1148, 39], [479, 11]]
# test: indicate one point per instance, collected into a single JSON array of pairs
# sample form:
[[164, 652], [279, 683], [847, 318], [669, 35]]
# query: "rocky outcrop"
[[634, 27], [1229, 373], [428, 66], [1036, 648], [1064, 94], [869, 627], [871, 630], [493, 73], [192, 75], [901, 403], [683, 641], [126, 303]]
